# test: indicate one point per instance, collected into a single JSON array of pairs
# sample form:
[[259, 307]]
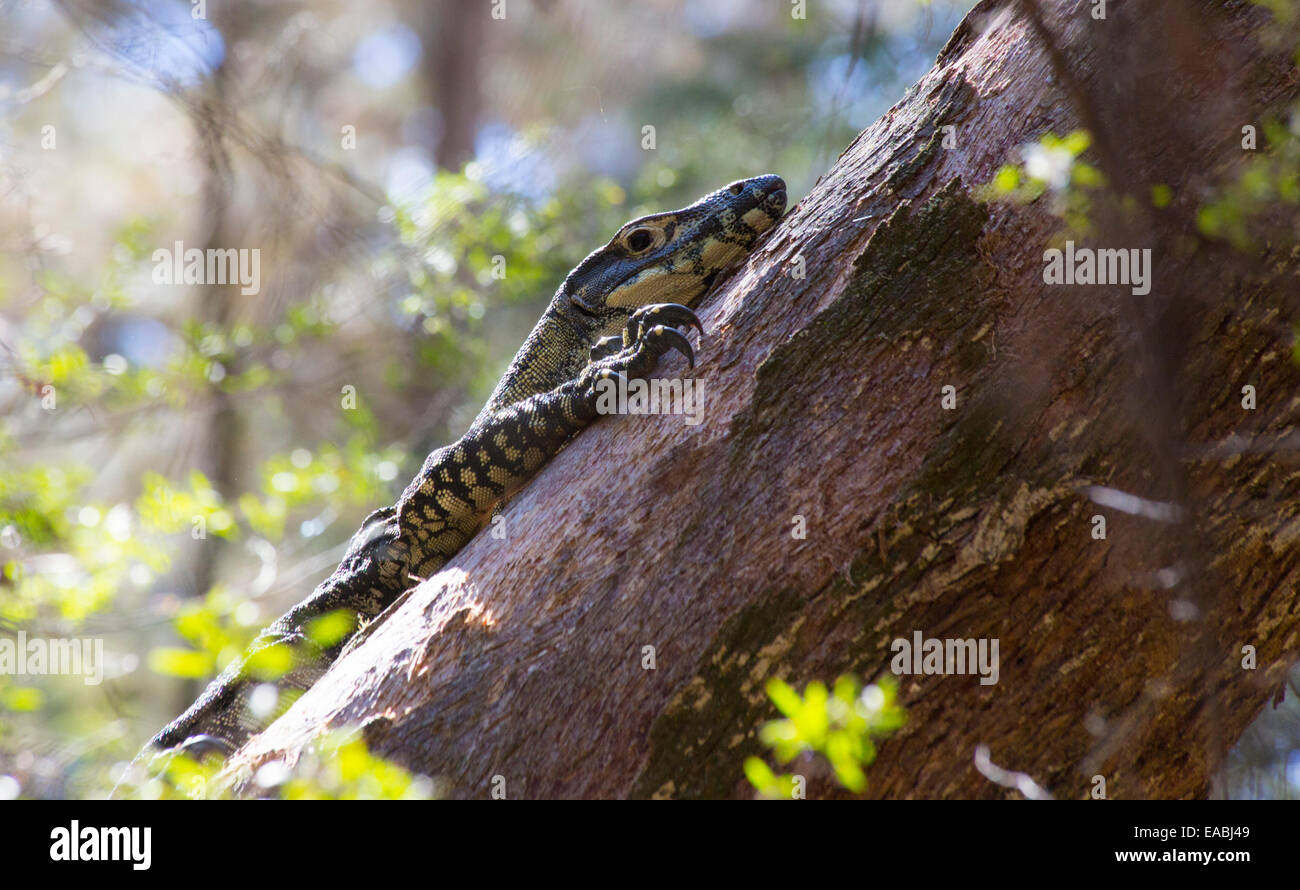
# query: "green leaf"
[[1077, 142], [784, 697], [760, 775], [271, 663], [23, 698], [1083, 173], [1007, 179], [185, 663], [331, 628]]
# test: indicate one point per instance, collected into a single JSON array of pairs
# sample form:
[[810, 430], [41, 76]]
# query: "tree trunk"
[[1120, 657], [453, 35]]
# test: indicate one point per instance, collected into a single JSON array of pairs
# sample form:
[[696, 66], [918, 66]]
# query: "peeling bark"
[[523, 657]]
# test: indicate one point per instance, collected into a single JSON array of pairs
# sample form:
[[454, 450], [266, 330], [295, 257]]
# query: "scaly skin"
[[615, 314]]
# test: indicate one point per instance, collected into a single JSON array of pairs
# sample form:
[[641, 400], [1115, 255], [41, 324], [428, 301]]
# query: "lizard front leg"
[[459, 486]]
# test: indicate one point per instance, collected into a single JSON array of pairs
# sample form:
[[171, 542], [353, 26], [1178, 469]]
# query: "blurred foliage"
[[840, 725], [1051, 166], [335, 767], [475, 252], [1244, 210]]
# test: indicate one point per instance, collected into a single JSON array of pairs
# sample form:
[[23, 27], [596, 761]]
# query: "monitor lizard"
[[615, 315]]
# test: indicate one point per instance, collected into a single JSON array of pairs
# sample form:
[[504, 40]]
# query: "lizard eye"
[[639, 240], [736, 188]]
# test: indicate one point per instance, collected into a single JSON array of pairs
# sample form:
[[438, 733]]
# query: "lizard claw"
[[199, 746], [195, 747], [611, 374], [678, 316], [672, 315], [605, 347], [674, 339]]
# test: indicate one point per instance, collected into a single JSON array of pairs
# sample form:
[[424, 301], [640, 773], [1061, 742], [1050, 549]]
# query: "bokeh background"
[[181, 463]]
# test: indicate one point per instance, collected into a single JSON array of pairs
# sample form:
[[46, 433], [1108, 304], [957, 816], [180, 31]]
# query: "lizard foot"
[[648, 341], [640, 322], [670, 315]]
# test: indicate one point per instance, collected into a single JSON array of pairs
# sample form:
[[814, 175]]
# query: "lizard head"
[[674, 257]]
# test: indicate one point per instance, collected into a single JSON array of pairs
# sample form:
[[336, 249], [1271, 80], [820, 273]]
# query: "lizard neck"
[[555, 351]]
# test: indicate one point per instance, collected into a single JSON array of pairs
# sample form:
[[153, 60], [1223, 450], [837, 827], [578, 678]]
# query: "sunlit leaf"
[[185, 663]]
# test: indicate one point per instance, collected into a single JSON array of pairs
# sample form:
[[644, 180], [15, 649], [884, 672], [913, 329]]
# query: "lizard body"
[[614, 315]]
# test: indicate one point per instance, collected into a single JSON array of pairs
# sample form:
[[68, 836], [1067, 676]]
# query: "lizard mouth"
[[768, 199], [772, 191], [766, 193]]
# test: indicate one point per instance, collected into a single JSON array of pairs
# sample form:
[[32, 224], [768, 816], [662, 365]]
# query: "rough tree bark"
[[523, 658]]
